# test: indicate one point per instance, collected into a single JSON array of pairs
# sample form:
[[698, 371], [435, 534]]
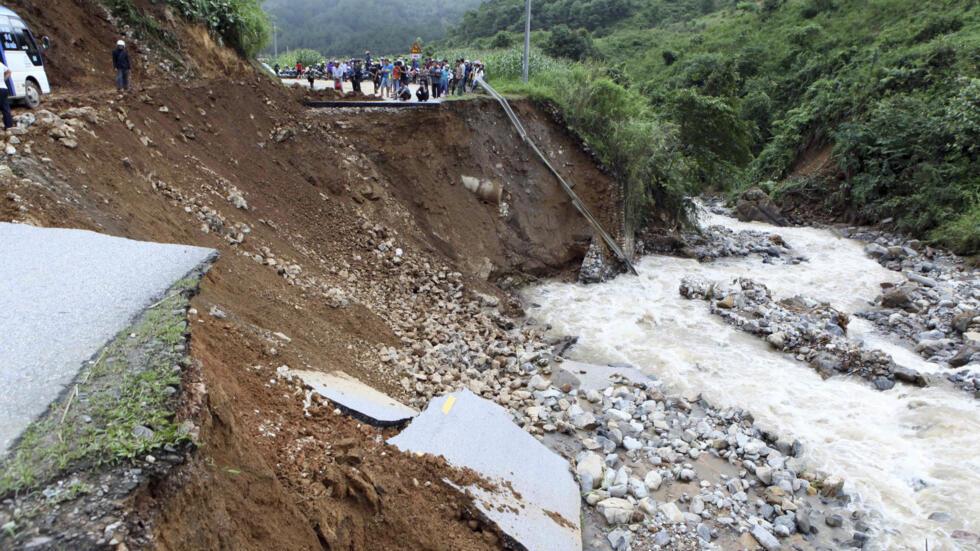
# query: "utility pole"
[[275, 38], [527, 43]]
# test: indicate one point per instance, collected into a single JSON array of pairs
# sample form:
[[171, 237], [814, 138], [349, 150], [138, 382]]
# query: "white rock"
[[697, 505], [616, 510], [631, 443], [653, 480], [648, 505], [637, 488], [754, 446], [672, 512], [764, 474], [538, 383], [765, 538], [589, 470], [584, 421], [617, 414], [238, 200]]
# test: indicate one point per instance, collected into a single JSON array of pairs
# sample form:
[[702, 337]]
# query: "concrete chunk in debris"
[[536, 501], [358, 399]]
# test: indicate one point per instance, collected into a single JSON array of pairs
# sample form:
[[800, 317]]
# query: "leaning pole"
[[527, 43]]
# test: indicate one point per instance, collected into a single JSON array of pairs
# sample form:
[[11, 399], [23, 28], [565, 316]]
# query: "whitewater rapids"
[[905, 453]]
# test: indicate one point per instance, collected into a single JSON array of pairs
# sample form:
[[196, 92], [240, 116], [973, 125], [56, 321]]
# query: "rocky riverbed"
[[808, 304], [812, 331], [936, 308], [656, 469]]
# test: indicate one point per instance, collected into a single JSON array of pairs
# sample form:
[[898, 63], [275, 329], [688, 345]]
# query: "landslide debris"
[[342, 249], [936, 309]]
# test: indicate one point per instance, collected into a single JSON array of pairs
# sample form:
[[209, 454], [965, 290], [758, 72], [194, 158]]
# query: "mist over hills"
[[352, 26]]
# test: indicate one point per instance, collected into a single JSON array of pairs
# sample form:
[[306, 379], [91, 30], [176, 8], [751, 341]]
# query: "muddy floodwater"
[[906, 453]]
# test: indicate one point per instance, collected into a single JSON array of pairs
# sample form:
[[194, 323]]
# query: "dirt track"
[[326, 192]]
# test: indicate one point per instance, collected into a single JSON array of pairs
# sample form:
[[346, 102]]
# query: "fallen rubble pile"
[[716, 242], [937, 308], [813, 332], [665, 471]]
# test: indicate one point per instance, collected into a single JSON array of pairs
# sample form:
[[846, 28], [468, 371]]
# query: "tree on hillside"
[[565, 42]]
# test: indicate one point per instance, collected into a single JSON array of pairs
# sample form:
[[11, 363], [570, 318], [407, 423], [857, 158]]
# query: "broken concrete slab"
[[536, 501], [356, 398], [63, 295], [597, 377]]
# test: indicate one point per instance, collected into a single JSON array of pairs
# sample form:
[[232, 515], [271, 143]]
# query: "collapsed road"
[[394, 273]]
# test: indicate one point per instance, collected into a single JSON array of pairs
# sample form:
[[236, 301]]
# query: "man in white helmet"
[[120, 62]]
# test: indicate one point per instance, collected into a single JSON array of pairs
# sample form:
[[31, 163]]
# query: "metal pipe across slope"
[[576, 202]]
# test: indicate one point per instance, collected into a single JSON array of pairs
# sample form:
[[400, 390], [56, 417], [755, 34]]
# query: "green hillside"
[[348, 27], [888, 89]]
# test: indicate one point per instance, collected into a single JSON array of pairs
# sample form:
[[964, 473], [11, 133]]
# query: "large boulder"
[[896, 298], [616, 510], [961, 322], [755, 206]]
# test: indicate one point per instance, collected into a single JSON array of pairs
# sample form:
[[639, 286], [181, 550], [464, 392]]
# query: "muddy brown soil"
[[323, 190]]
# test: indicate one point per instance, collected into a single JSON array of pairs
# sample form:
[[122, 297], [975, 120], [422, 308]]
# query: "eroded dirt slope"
[[348, 242], [344, 247]]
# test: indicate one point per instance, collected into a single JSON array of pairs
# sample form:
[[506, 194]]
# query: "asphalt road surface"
[[63, 295]]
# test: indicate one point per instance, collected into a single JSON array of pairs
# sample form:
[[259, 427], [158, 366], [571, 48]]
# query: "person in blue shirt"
[[386, 84], [444, 78]]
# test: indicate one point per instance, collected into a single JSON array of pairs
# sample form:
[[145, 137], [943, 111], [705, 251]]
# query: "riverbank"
[[918, 486]]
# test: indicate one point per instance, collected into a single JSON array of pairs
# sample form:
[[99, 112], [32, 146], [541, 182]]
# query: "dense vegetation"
[[746, 92], [238, 24], [593, 15], [349, 27]]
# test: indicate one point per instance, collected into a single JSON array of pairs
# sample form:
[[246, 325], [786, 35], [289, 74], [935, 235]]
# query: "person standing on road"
[[383, 77], [435, 77], [338, 78], [405, 79], [477, 74], [8, 118], [355, 77], [444, 79], [120, 62], [461, 74], [396, 77], [311, 76]]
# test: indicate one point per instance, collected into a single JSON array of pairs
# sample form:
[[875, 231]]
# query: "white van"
[[22, 54]]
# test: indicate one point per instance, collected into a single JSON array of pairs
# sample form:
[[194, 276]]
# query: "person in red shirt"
[[299, 69]]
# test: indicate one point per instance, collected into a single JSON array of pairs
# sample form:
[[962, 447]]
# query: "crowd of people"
[[392, 78]]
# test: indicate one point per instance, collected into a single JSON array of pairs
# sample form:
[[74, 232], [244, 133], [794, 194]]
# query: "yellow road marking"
[[448, 405]]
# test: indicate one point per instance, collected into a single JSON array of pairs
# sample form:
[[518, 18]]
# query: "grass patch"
[[120, 407]]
